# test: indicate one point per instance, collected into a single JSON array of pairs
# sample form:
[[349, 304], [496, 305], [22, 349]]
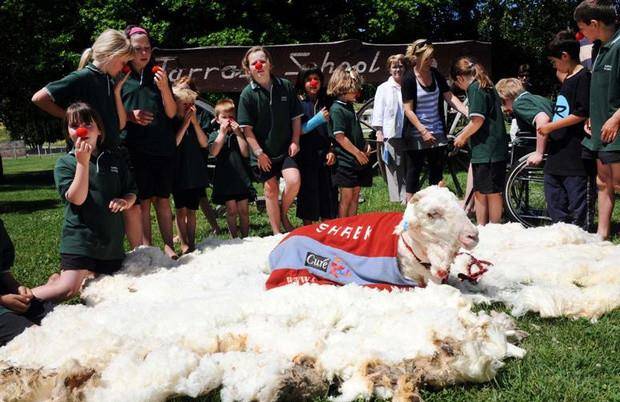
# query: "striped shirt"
[[427, 112]]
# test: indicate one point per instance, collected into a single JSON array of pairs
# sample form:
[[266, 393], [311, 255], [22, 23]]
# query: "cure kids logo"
[[317, 262]]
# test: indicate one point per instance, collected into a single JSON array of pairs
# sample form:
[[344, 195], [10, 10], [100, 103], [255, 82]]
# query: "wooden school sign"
[[218, 69]]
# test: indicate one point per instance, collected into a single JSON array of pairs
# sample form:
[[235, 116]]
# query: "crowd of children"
[[137, 139]]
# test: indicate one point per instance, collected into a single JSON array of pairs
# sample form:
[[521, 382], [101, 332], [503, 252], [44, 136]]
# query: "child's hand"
[[609, 132], [460, 141], [26, 292], [587, 128], [225, 125], [264, 163], [361, 157], [293, 149], [330, 159], [83, 150], [141, 117], [161, 79], [190, 114], [17, 303], [118, 205], [427, 136], [119, 83], [325, 113], [535, 159]]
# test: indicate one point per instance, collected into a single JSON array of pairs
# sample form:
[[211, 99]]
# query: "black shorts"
[[189, 198], [154, 175], [277, 166], [489, 178], [222, 200], [346, 177], [607, 157], [13, 324], [71, 262]]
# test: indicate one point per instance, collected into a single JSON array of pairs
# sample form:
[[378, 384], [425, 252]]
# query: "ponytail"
[[87, 54], [469, 67]]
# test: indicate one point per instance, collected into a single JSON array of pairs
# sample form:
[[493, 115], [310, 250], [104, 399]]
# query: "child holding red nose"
[[95, 187]]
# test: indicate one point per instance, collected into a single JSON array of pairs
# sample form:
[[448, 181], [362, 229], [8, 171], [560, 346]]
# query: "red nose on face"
[[126, 69], [314, 84], [156, 69], [579, 36], [81, 132], [258, 66]]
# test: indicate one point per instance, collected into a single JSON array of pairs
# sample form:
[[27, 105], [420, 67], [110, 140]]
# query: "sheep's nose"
[[470, 239]]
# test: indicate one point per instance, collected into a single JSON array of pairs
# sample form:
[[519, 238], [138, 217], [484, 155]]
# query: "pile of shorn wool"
[[207, 325]]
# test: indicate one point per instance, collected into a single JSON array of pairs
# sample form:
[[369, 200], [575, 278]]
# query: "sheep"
[[378, 249], [208, 325]]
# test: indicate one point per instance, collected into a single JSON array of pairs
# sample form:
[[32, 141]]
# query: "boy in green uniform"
[[232, 185], [487, 138], [531, 111], [95, 185], [270, 116], [596, 19]]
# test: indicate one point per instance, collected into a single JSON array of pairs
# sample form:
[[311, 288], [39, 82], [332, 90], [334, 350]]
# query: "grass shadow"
[[26, 207], [26, 181]]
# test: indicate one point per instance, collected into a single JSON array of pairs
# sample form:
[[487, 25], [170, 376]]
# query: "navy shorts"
[[489, 178], [277, 166], [72, 262], [607, 157], [189, 198]]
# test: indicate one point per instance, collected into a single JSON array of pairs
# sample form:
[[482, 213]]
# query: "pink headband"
[[138, 30]]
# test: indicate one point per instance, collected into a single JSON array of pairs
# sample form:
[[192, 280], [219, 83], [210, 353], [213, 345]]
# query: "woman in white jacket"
[[387, 119]]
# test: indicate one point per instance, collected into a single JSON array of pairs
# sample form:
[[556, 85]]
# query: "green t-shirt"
[[604, 93], [526, 107], [91, 229], [269, 113], [343, 119], [490, 142], [141, 92], [92, 86], [7, 257]]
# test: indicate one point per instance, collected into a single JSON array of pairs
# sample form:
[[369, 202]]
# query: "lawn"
[[567, 360]]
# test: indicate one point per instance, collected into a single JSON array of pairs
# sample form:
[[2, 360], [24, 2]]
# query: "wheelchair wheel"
[[524, 195]]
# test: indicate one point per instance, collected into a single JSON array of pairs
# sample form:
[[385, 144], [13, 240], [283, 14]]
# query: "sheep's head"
[[439, 227]]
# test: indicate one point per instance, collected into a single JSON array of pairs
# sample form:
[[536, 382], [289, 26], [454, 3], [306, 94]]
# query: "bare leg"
[[346, 197], [133, 225], [164, 220], [354, 202], [468, 189], [182, 227], [145, 211], [191, 230], [496, 207], [293, 182], [63, 287], [231, 218], [244, 217], [271, 190], [482, 213], [605, 199], [209, 213]]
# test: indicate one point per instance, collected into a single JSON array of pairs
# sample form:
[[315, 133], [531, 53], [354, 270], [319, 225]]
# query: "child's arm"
[[181, 132], [345, 143], [264, 162], [456, 103], [12, 295], [44, 101], [538, 155], [294, 147], [470, 129], [317, 120], [203, 140], [161, 80], [243, 144], [216, 146], [78, 190], [123, 203], [118, 100]]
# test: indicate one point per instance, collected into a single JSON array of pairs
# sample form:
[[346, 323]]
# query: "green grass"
[[567, 360]]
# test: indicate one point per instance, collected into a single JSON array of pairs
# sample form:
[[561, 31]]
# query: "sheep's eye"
[[434, 214]]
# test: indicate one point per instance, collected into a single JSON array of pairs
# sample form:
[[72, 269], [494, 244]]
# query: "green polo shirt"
[[7, 257], [604, 93], [343, 120], [92, 86], [91, 229], [269, 113], [490, 142], [158, 138], [526, 107]]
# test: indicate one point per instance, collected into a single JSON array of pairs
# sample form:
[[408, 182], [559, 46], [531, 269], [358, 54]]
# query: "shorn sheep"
[[206, 324]]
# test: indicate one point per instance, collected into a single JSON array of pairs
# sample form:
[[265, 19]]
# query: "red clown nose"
[[156, 69], [314, 83], [579, 36], [81, 132], [126, 69], [258, 65]]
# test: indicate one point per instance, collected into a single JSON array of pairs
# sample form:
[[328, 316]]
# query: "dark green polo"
[[92, 86], [526, 107], [141, 92], [269, 113], [604, 93], [91, 229], [490, 142], [343, 119], [7, 257]]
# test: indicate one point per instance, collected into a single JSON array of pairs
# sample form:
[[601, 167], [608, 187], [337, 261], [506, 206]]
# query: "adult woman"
[[387, 119], [424, 90], [150, 138]]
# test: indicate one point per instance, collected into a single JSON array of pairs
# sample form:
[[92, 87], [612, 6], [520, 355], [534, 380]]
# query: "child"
[[567, 175], [18, 307], [487, 138], [191, 172], [318, 198], [94, 185], [93, 84], [352, 168], [530, 111], [596, 19], [231, 185], [150, 107], [270, 115]]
